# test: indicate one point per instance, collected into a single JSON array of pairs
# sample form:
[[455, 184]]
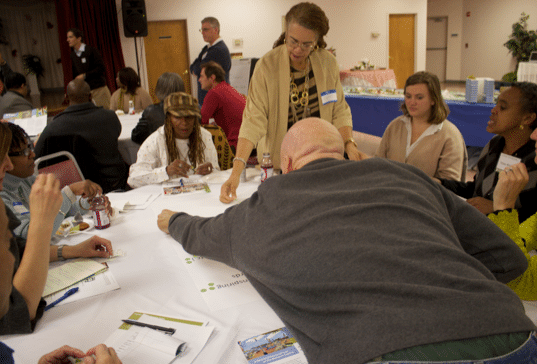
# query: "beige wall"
[[258, 24], [485, 31], [453, 10]]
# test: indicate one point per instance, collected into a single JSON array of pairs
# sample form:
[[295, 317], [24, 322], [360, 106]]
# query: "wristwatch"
[[60, 252], [351, 140]]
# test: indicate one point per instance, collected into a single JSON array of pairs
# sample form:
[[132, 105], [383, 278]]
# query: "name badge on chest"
[[328, 97], [20, 208]]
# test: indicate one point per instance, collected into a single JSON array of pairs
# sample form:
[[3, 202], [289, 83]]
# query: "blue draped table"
[[371, 115]]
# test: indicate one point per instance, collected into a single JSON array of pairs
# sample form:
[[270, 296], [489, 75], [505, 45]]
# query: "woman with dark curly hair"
[[129, 90], [178, 148], [299, 78]]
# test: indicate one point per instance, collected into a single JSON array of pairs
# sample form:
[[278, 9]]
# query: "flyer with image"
[[278, 346]]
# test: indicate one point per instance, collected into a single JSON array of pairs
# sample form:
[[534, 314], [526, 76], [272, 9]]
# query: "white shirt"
[[152, 159], [81, 49], [432, 129]]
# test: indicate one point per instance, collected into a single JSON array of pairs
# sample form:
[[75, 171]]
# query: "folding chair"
[[67, 171], [225, 154]]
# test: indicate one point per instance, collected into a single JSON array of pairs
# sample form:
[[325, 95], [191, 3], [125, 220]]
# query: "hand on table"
[[228, 191], [164, 220], [482, 204], [178, 168], [511, 182], [45, 199], [101, 354], [93, 247], [59, 356], [86, 188], [205, 168]]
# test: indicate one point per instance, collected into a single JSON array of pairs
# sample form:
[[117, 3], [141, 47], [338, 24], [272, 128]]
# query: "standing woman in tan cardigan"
[[422, 136]]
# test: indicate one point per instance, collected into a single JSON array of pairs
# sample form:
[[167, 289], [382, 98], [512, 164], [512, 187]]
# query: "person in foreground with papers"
[[179, 148], [101, 353], [369, 261], [32, 254]]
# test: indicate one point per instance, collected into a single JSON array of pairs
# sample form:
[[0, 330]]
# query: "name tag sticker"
[[83, 60], [328, 97], [20, 209], [505, 161]]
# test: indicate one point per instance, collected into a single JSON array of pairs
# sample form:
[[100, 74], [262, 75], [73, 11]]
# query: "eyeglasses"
[[205, 30], [308, 46], [25, 152]]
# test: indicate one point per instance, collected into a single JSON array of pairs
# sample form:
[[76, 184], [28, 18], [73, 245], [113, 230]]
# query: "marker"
[[167, 330], [67, 294]]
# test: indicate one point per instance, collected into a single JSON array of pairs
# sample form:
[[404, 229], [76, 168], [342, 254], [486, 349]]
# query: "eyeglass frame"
[[207, 29], [294, 43], [25, 152]]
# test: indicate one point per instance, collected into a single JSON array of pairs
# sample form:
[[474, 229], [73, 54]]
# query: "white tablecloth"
[[152, 280], [127, 147], [527, 71]]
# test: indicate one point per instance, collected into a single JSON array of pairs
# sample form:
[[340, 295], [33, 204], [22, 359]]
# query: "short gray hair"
[[213, 21], [168, 83]]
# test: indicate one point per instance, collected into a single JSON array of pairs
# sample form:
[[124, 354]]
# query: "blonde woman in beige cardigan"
[[422, 136]]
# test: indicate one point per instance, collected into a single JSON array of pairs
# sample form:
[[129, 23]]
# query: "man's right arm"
[[482, 239]]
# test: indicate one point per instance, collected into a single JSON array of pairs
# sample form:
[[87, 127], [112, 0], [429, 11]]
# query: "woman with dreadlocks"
[[178, 148]]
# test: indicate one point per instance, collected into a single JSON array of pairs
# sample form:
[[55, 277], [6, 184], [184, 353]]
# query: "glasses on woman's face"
[[293, 43], [25, 152]]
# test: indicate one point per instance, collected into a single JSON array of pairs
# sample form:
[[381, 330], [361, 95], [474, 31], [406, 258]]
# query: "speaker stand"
[[136, 51]]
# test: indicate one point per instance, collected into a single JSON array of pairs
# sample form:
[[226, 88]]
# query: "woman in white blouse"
[[178, 148], [422, 136]]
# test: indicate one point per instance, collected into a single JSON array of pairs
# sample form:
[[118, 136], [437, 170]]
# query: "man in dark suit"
[[15, 98], [91, 134], [88, 65], [216, 51]]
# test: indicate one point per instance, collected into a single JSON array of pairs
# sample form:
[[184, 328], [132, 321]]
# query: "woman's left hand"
[[204, 169]]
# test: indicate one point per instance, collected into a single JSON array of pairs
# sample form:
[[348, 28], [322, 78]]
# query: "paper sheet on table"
[[220, 285], [70, 273], [127, 342], [92, 286], [32, 121], [132, 201]]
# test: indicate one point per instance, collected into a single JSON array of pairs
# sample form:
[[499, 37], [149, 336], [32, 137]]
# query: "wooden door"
[[402, 41], [166, 50], [436, 57]]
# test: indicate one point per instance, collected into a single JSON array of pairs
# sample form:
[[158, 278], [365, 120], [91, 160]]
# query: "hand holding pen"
[[178, 168]]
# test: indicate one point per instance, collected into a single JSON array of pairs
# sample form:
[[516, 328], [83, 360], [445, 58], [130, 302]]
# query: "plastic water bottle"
[[100, 215], [131, 107], [267, 168]]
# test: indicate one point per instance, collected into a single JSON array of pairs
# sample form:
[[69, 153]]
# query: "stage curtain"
[[97, 19]]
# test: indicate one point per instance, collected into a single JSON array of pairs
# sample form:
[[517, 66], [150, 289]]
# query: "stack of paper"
[[141, 345], [70, 273], [132, 201], [32, 121]]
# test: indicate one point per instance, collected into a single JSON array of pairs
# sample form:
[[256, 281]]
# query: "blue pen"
[[69, 293]]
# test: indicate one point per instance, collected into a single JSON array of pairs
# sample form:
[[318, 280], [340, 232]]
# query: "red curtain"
[[97, 19]]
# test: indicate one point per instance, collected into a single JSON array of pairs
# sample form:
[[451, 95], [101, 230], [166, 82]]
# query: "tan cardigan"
[[265, 117], [441, 155]]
